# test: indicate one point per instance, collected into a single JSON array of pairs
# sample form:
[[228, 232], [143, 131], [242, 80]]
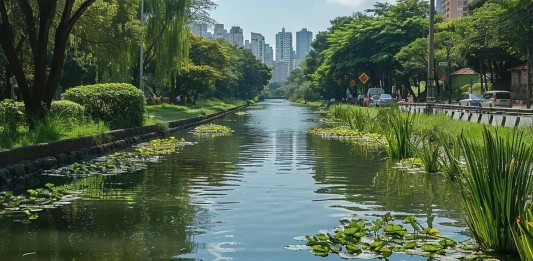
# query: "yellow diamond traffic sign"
[[364, 78]]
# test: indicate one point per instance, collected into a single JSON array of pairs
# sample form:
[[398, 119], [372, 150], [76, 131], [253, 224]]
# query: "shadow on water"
[[238, 197]]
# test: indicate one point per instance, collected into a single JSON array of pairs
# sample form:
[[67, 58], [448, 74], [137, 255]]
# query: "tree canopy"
[[389, 43]]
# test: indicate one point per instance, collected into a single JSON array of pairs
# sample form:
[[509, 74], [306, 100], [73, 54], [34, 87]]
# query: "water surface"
[[238, 197]]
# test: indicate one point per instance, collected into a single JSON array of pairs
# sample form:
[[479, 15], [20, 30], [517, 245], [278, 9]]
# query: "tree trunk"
[[481, 73], [492, 65], [44, 86], [195, 97]]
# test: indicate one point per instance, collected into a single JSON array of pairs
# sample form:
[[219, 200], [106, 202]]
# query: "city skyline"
[[269, 17]]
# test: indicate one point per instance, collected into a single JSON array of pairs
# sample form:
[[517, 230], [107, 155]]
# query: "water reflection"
[[237, 197]]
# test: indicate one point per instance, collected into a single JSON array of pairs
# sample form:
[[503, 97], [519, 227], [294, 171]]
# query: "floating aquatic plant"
[[212, 129], [35, 200], [358, 137], [363, 239], [241, 113], [123, 161], [412, 165]]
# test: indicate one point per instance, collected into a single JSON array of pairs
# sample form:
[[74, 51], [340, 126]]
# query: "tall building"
[[438, 6], [303, 45], [247, 45], [284, 54], [269, 55], [220, 32], [453, 9], [236, 36], [280, 74], [257, 45], [201, 30]]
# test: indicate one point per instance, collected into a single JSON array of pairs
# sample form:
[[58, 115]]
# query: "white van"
[[374, 91]]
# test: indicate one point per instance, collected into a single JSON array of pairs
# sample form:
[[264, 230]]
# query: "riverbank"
[[26, 163], [170, 112]]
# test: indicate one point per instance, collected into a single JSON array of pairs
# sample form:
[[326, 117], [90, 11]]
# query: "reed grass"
[[429, 152], [494, 183], [399, 134], [523, 238]]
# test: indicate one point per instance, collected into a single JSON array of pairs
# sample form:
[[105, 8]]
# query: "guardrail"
[[504, 115], [510, 111]]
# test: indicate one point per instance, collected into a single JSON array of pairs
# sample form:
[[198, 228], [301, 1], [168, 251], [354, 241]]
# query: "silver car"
[[470, 100], [497, 99]]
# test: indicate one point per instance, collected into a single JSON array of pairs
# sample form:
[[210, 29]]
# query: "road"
[[511, 118]]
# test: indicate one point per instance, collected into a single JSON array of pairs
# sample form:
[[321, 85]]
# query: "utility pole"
[[528, 38], [141, 63], [430, 84], [448, 79], [528, 75]]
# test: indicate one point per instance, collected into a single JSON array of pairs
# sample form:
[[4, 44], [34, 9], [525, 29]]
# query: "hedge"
[[12, 112], [71, 111], [120, 105]]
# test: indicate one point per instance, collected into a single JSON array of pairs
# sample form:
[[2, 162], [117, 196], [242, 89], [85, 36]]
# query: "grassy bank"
[[491, 167], [167, 112], [57, 128]]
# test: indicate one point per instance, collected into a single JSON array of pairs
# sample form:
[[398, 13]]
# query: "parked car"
[[384, 100], [374, 91], [497, 99], [374, 100], [470, 100]]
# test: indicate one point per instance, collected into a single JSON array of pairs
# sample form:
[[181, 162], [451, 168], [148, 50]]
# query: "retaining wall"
[[22, 165]]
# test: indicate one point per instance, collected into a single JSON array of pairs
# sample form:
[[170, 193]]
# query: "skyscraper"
[[284, 56], [201, 30], [220, 32], [269, 55], [236, 36], [257, 45], [303, 45]]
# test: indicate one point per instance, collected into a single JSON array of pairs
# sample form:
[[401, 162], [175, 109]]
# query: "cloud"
[[350, 3]]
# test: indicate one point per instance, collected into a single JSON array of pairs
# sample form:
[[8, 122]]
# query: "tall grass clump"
[[51, 128], [524, 236], [495, 181], [398, 132], [354, 117], [429, 153]]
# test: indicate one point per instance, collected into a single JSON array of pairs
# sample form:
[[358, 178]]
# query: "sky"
[[268, 17]]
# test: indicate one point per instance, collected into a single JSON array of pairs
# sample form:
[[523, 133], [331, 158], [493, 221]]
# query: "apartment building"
[[453, 9]]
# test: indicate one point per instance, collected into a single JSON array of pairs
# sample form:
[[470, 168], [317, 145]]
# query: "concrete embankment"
[[23, 166]]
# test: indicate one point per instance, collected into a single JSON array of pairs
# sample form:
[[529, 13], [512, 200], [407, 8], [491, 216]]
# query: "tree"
[[206, 62], [39, 86]]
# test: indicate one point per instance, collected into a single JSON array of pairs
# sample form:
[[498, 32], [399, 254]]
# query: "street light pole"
[[141, 63], [430, 85]]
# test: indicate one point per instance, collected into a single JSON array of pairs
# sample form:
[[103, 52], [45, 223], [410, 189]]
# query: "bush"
[[11, 113], [70, 111], [120, 105]]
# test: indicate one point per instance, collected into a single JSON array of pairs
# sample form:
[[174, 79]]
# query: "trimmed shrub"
[[120, 105], [11, 113], [68, 110]]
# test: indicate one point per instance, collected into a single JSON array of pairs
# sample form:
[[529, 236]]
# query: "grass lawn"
[[168, 112]]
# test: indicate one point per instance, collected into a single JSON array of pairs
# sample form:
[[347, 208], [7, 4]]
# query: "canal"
[[239, 197]]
